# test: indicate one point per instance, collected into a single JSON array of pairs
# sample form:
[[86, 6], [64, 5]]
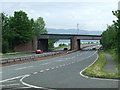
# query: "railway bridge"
[[74, 40]]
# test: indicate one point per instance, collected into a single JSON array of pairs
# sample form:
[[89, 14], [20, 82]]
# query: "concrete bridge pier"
[[43, 44], [75, 43]]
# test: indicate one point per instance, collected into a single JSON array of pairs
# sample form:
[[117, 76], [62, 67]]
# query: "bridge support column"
[[79, 44], [43, 44], [75, 44]]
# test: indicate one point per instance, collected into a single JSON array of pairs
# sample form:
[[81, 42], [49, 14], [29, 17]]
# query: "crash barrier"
[[28, 57]]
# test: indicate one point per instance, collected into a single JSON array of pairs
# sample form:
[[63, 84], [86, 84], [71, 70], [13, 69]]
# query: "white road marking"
[[23, 87], [24, 68], [1, 72], [60, 66], [52, 68], [12, 78], [42, 70], [63, 65], [13, 84], [11, 81], [67, 64], [47, 69], [72, 62], [26, 84], [59, 61], [57, 67], [45, 63], [35, 72], [2, 85]]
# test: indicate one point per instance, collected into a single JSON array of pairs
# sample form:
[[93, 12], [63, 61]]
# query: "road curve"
[[63, 72]]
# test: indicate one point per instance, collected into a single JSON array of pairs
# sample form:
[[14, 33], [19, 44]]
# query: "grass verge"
[[96, 70]]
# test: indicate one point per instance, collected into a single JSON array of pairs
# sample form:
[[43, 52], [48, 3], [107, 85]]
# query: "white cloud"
[[90, 16]]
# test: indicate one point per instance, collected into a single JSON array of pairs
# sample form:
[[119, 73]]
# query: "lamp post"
[[77, 28], [119, 5]]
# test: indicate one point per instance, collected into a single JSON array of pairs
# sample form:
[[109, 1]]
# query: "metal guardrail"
[[33, 57], [29, 57]]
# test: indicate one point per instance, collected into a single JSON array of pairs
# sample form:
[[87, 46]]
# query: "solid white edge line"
[[94, 77], [32, 86]]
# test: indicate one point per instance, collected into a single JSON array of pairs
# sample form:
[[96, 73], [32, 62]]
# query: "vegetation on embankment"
[[96, 70], [111, 39]]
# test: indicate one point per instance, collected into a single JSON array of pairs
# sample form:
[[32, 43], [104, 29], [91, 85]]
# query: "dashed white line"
[[67, 64], [59, 60], [35, 72], [60, 65], [45, 63], [42, 70], [57, 67], [63, 65], [52, 68], [47, 69], [72, 62], [24, 68], [2, 85]]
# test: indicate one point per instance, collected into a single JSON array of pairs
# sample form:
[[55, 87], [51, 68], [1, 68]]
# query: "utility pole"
[[77, 28]]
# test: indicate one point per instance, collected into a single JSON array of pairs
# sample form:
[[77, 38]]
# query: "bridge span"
[[74, 39]]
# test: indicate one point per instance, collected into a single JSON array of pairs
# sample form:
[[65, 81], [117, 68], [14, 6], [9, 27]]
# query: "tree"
[[39, 27], [21, 25], [109, 37], [117, 27], [5, 32], [51, 43]]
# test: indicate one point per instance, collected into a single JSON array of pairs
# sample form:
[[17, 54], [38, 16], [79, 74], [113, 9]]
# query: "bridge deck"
[[69, 36]]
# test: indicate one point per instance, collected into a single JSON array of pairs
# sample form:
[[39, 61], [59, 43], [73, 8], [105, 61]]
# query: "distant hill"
[[73, 31]]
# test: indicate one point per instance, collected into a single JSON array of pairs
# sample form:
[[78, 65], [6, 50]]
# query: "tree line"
[[19, 29], [111, 37]]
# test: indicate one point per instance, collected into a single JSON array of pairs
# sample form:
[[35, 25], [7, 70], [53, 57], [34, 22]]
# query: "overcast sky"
[[89, 14]]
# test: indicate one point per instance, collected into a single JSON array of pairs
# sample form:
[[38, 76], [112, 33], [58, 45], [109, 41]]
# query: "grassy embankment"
[[96, 70]]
